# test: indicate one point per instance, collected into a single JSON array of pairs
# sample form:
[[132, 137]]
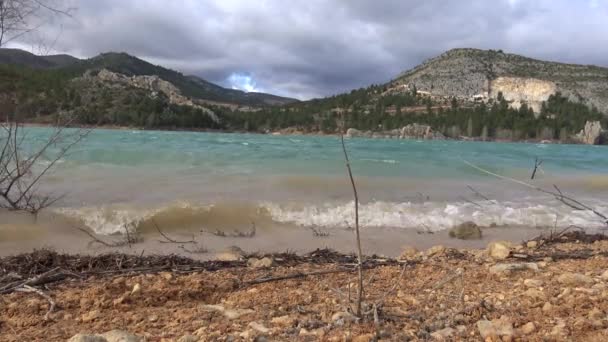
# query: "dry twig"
[[27, 288]]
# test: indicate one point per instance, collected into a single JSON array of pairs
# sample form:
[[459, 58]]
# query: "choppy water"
[[215, 180]]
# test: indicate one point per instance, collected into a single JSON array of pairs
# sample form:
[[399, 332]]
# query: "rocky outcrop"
[[411, 131], [592, 134], [519, 90], [154, 85], [474, 73]]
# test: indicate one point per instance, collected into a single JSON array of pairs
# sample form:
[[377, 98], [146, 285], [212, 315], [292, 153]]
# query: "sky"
[[315, 48]]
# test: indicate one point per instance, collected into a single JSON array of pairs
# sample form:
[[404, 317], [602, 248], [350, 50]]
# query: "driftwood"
[[168, 239], [27, 288]]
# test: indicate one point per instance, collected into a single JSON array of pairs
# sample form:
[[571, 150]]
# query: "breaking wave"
[[431, 216]]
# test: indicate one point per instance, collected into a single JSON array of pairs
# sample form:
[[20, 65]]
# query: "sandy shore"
[[548, 292], [23, 238]]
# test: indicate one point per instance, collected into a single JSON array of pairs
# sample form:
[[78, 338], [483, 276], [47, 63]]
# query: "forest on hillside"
[[49, 95]]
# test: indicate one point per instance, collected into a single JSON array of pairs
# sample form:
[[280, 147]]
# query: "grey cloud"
[[317, 48]]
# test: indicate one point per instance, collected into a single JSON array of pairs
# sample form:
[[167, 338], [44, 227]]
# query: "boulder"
[[499, 250], [416, 131], [436, 250], [466, 231], [591, 134], [260, 263], [408, 253]]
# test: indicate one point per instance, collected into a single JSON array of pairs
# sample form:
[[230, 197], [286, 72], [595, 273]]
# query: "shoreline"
[[289, 132], [552, 288]]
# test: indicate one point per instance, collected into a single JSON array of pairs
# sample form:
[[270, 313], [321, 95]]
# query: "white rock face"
[[591, 134], [518, 90]]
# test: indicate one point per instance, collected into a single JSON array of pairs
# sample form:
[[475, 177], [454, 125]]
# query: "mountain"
[[469, 73], [462, 93], [125, 64], [24, 58], [190, 86]]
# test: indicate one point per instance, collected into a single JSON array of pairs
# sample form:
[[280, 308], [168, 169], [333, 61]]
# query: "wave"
[[430, 216]]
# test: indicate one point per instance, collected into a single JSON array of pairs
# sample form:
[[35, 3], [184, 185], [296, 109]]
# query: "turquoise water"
[[117, 176]]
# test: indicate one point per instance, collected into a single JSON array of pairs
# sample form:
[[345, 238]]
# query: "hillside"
[[27, 59], [468, 73], [461, 94], [125, 64]]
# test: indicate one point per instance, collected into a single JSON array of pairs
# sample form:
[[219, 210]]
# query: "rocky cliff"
[[480, 74], [154, 85]]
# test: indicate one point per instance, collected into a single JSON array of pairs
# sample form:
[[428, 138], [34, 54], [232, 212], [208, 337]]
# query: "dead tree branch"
[[537, 163], [27, 288], [21, 172], [21, 17], [558, 194], [357, 233], [168, 239]]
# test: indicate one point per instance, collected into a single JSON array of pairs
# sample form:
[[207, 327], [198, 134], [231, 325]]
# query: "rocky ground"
[[537, 291]]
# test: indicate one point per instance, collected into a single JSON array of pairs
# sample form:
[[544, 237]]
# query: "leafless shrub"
[[21, 17], [21, 170]]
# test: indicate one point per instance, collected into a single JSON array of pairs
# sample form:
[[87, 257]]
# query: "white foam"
[[433, 216]]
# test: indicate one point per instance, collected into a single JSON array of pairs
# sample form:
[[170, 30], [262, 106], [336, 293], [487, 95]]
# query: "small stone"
[[443, 334], [595, 314], [343, 316], [527, 328], [364, 338], [136, 289], [231, 253], [259, 327], [121, 336], [87, 338], [167, 276], [534, 293], [90, 316], [466, 231], [436, 250], [501, 268], [533, 283], [408, 253], [604, 275], [532, 244], [559, 329], [153, 318], [120, 300], [188, 338], [228, 313], [499, 250], [260, 263], [574, 279], [547, 307], [501, 327], [285, 321]]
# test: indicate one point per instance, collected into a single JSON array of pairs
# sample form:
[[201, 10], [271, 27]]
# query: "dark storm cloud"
[[316, 47]]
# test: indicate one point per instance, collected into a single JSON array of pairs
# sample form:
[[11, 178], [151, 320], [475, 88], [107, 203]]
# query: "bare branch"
[[569, 201], [357, 233]]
